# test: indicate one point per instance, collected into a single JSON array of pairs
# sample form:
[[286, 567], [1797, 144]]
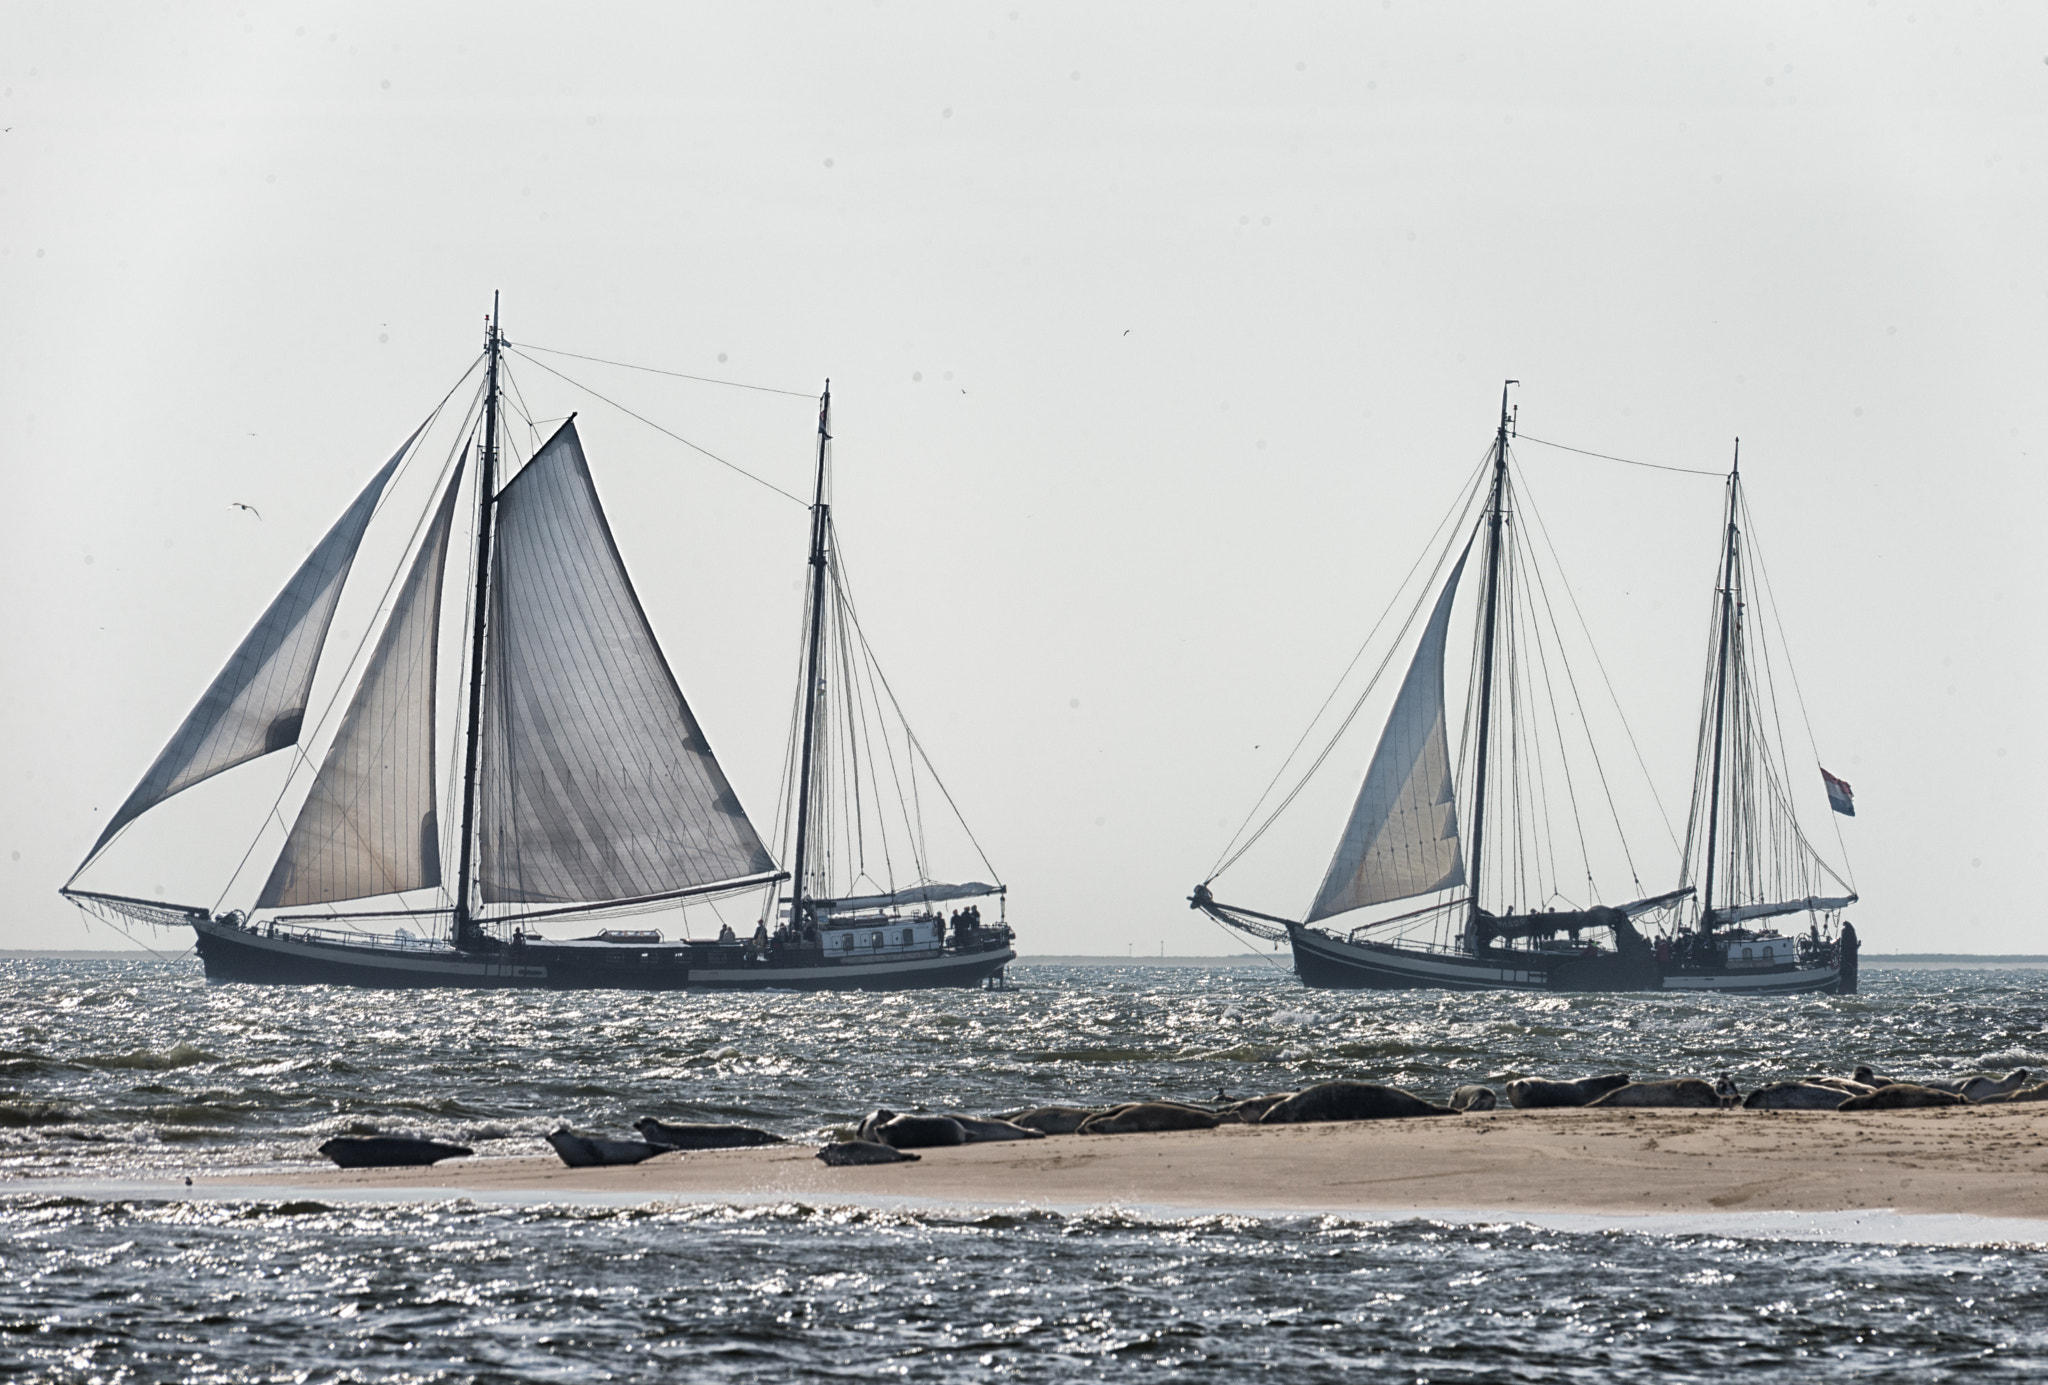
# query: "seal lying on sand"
[[1533, 1093], [1795, 1096], [1870, 1079], [1471, 1097], [1050, 1120], [580, 1151], [2038, 1092], [1252, 1107], [694, 1136], [845, 1153], [1677, 1091], [884, 1126], [1899, 1096], [1846, 1086], [1978, 1088], [1148, 1115], [388, 1151], [1350, 1101], [979, 1131]]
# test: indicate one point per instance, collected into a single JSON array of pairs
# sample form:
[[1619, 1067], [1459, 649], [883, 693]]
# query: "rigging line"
[[917, 745], [391, 585], [735, 466], [1572, 682], [673, 374], [1799, 695], [919, 856], [1627, 461], [1571, 788], [1232, 851], [1544, 533], [1238, 938]]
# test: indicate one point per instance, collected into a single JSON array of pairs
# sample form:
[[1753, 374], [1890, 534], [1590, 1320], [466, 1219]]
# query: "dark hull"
[[1332, 963], [244, 955]]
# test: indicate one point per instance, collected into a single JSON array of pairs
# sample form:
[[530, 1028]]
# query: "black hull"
[[243, 955], [1331, 963]]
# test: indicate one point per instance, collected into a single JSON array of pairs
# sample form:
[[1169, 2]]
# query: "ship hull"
[[1333, 963], [232, 954]]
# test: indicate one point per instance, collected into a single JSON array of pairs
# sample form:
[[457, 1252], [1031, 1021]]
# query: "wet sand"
[[1983, 1161]]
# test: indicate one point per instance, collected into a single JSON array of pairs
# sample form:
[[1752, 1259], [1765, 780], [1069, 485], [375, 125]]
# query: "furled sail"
[[369, 825], [1814, 903], [916, 894], [596, 783], [1402, 839], [256, 703]]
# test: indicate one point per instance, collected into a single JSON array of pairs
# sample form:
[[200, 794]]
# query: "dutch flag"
[[1841, 797]]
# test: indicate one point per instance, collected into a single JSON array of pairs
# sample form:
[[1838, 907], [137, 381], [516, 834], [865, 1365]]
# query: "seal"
[[1846, 1086], [1252, 1107], [1050, 1120], [388, 1151], [1148, 1115], [884, 1126], [580, 1151], [1981, 1088], [1537, 1093], [695, 1136], [1795, 1096], [980, 1131], [846, 1153], [1902, 1096], [1350, 1101], [1870, 1079], [1676, 1091], [2037, 1092], [1472, 1097]]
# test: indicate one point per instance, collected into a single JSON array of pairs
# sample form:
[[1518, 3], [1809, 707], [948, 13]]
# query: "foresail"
[[369, 825], [596, 783], [256, 703], [1402, 838]]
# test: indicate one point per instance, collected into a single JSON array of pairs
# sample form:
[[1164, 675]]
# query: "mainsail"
[[1402, 838], [369, 826], [597, 783], [256, 703]]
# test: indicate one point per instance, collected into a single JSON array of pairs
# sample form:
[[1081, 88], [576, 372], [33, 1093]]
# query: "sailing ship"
[[1407, 842], [587, 790]]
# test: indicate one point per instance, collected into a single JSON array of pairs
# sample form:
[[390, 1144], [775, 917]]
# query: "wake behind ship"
[[587, 790]]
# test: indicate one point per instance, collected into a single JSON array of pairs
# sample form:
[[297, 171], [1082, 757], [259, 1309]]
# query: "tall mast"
[[466, 930], [1493, 524], [820, 513], [1721, 690]]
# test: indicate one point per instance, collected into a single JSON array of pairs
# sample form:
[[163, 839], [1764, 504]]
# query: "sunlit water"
[[120, 1070]]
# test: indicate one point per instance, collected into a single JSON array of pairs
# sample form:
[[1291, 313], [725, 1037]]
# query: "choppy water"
[[118, 1069]]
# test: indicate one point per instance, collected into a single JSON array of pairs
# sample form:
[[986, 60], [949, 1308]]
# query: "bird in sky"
[[238, 505]]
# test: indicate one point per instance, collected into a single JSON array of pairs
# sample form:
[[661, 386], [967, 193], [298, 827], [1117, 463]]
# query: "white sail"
[[597, 783], [369, 825], [1402, 839], [1814, 903], [256, 703]]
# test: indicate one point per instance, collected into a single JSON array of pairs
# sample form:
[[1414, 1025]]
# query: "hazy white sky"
[[1160, 337]]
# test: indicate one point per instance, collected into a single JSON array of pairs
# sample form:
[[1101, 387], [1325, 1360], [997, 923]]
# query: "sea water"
[[118, 1070]]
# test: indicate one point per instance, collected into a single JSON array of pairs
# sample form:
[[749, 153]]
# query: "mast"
[[1493, 524], [820, 513], [1721, 690], [466, 929]]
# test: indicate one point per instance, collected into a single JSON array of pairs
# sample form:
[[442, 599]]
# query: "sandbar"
[[1989, 1161]]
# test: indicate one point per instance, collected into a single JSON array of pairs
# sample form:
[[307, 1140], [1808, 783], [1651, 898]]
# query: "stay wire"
[[665, 432], [1625, 461], [672, 374]]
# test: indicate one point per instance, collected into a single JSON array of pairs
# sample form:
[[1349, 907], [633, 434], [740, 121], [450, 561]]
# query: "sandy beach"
[[1981, 1161]]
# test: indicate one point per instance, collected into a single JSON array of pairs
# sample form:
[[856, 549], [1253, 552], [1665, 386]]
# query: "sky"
[[1160, 338]]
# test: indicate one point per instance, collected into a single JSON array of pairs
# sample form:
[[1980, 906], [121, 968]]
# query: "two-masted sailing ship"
[[1447, 838], [587, 791]]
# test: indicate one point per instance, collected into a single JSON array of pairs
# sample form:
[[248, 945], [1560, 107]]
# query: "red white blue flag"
[[1841, 797]]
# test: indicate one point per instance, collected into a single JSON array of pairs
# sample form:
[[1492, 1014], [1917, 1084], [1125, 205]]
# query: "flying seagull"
[[238, 505]]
